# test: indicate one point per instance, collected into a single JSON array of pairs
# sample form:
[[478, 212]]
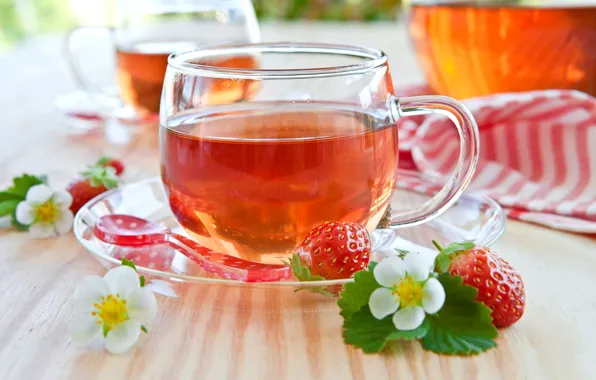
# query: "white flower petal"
[[39, 193], [123, 336], [408, 318], [142, 305], [63, 198], [89, 291], [42, 230], [433, 296], [25, 213], [382, 303], [64, 222], [417, 266], [389, 271], [84, 329], [122, 280]]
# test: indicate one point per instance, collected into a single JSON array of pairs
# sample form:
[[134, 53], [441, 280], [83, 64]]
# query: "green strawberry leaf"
[[12, 196], [302, 273], [101, 176], [129, 263], [463, 326], [8, 207], [442, 263], [456, 247], [364, 331], [103, 160], [144, 329], [356, 294], [442, 260], [142, 281], [8, 196], [22, 184]]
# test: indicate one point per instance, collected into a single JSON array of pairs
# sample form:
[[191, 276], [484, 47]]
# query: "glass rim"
[[374, 58]]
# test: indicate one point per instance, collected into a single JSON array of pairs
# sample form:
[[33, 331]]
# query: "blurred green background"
[[336, 10], [20, 19]]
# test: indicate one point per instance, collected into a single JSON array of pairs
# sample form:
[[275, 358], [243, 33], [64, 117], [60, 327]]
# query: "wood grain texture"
[[232, 332]]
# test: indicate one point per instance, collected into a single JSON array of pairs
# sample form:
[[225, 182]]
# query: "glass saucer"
[[97, 113], [473, 217]]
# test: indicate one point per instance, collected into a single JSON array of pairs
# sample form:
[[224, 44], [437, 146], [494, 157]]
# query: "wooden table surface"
[[232, 333]]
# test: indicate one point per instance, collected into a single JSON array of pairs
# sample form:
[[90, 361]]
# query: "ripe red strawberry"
[[499, 286], [332, 251], [114, 163], [92, 182]]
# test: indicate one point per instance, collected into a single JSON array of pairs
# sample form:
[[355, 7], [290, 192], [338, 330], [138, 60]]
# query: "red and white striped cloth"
[[538, 155]]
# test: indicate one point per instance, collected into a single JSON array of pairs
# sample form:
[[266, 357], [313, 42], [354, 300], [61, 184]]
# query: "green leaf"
[[442, 263], [456, 247], [22, 184], [364, 331], [8, 196], [106, 330], [103, 160], [463, 326], [301, 271], [144, 329], [129, 263], [9, 206], [442, 260], [356, 294], [142, 281], [101, 176], [322, 290]]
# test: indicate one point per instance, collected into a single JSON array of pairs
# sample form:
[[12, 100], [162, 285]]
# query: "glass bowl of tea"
[[470, 48]]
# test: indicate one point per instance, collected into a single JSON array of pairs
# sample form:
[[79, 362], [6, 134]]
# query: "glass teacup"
[[144, 34], [316, 142]]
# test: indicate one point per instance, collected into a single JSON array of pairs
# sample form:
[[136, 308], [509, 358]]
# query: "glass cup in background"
[[145, 33], [470, 48], [316, 141]]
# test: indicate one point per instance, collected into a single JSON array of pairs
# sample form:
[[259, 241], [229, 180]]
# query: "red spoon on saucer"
[[131, 231]]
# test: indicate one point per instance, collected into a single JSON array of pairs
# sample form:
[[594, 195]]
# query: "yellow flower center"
[[409, 292], [47, 212], [111, 311]]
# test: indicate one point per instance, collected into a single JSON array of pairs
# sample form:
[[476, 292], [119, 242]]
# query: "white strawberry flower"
[[116, 305], [45, 211], [407, 291]]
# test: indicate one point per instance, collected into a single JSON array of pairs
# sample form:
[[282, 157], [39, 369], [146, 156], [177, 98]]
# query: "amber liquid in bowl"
[[468, 50], [253, 182]]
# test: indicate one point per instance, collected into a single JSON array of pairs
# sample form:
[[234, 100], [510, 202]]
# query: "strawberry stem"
[[437, 245]]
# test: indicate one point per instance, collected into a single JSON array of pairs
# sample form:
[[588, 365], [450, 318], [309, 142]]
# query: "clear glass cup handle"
[[73, 63], [468, 154]]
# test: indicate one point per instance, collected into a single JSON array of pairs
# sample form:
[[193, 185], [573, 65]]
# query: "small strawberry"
[[499, 286], [332, 251], [92, 182], [106, 161]]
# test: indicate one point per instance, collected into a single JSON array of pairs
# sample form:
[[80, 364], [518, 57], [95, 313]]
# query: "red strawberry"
[[499, 286], [111, 162], [92, 182], [332, 251]]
